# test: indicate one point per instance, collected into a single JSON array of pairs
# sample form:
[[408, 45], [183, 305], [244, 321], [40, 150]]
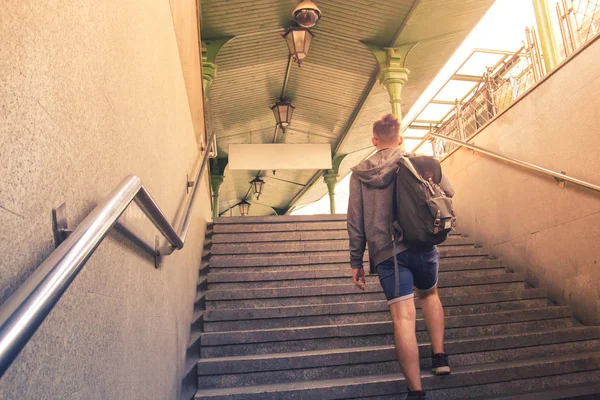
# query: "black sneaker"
[[439, 364], [418, 395]]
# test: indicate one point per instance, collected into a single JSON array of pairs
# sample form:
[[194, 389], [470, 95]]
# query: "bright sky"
[[502, 28]]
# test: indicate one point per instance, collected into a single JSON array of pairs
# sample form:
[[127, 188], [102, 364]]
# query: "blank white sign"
[[279, 156]]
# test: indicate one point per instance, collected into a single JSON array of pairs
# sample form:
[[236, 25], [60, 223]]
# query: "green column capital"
[[393, 73], [330, 178], [209, 73], [210, 49]]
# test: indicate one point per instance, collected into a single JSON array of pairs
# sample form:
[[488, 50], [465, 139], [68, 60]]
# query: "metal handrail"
[[23, 312], [557, 175]]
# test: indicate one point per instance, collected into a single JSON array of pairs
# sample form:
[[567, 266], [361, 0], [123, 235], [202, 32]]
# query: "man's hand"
[[358, 276]]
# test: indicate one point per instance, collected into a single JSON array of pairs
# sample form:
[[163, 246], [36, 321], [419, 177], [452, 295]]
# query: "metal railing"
[[558, 175], [23, 312], [508, 80], [579, 21], [498, 88]]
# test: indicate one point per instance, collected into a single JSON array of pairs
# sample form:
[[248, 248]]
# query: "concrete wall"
[[90, 92], [551, 233]]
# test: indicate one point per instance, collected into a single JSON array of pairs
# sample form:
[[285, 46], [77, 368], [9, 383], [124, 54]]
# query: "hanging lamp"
[[283, 111], [257, 186], [298, 40], [244, 207]]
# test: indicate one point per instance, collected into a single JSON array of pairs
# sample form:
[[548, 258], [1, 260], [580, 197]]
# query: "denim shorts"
[[417, 268]]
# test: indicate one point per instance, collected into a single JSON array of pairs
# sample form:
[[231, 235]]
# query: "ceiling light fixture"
[[244, 207], [306, 14], [298, 41], [257, 186], [283, 111]]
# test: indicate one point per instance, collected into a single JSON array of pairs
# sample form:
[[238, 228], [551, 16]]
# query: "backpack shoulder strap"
[[405, 161]]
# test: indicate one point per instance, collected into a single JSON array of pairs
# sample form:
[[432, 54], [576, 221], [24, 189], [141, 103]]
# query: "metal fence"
[[500, 86], [498, 89], [579, 21]]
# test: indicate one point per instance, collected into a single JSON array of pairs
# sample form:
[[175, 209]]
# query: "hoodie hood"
[[379, 170]]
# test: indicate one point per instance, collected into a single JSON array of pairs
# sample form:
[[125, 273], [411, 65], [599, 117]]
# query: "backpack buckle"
[[437, 222]]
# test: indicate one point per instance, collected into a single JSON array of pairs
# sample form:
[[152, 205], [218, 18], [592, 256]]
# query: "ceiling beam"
[[466, 78], [426, 122], [443, 102]]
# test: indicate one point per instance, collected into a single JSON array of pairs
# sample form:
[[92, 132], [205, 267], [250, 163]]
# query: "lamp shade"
[[298, 40], [257, 186], [283, 112], [244, 207]]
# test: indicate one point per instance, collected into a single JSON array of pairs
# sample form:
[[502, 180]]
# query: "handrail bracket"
[[60, 224]]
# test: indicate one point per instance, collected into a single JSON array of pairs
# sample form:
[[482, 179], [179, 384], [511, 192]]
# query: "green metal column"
[[210, 49], [550, 48], [215, 184], [393, 73], [217, 174], [330, 178]]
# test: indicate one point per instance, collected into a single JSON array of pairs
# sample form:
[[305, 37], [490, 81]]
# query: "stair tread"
[[349, 288], [565, 392], [303, 236], [311, 274], [343, 330], [311, 246], [594, 333], [466, 372], [291, 311]]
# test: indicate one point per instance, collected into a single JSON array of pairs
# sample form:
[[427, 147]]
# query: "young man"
[[369, 221]]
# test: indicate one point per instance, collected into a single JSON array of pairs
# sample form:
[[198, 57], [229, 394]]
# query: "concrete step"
[[301, 257], [340, 363], [555, 387], [279, 219], [295, 236], [372, 286], [351, 294], [477, 299], [463, 379], [288, 340], [447, 264], [276, 226], [346, 314], [590, 391], [233, 248], [337, 277]]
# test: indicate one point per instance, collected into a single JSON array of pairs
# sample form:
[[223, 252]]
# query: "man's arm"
[[356, 233], [356, 227]]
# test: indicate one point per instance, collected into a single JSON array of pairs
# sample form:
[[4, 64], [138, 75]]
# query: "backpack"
[[423, 214]]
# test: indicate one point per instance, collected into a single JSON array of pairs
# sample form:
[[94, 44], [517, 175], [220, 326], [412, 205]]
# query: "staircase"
[[283, 320]]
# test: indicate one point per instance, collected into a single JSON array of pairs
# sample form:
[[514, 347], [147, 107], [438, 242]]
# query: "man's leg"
[[404, 316], [433, 312]]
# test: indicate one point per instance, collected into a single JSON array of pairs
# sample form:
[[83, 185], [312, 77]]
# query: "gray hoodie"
[[370, 207]]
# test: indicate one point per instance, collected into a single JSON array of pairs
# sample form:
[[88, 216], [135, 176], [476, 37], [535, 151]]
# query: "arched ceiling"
[[335, 92]]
